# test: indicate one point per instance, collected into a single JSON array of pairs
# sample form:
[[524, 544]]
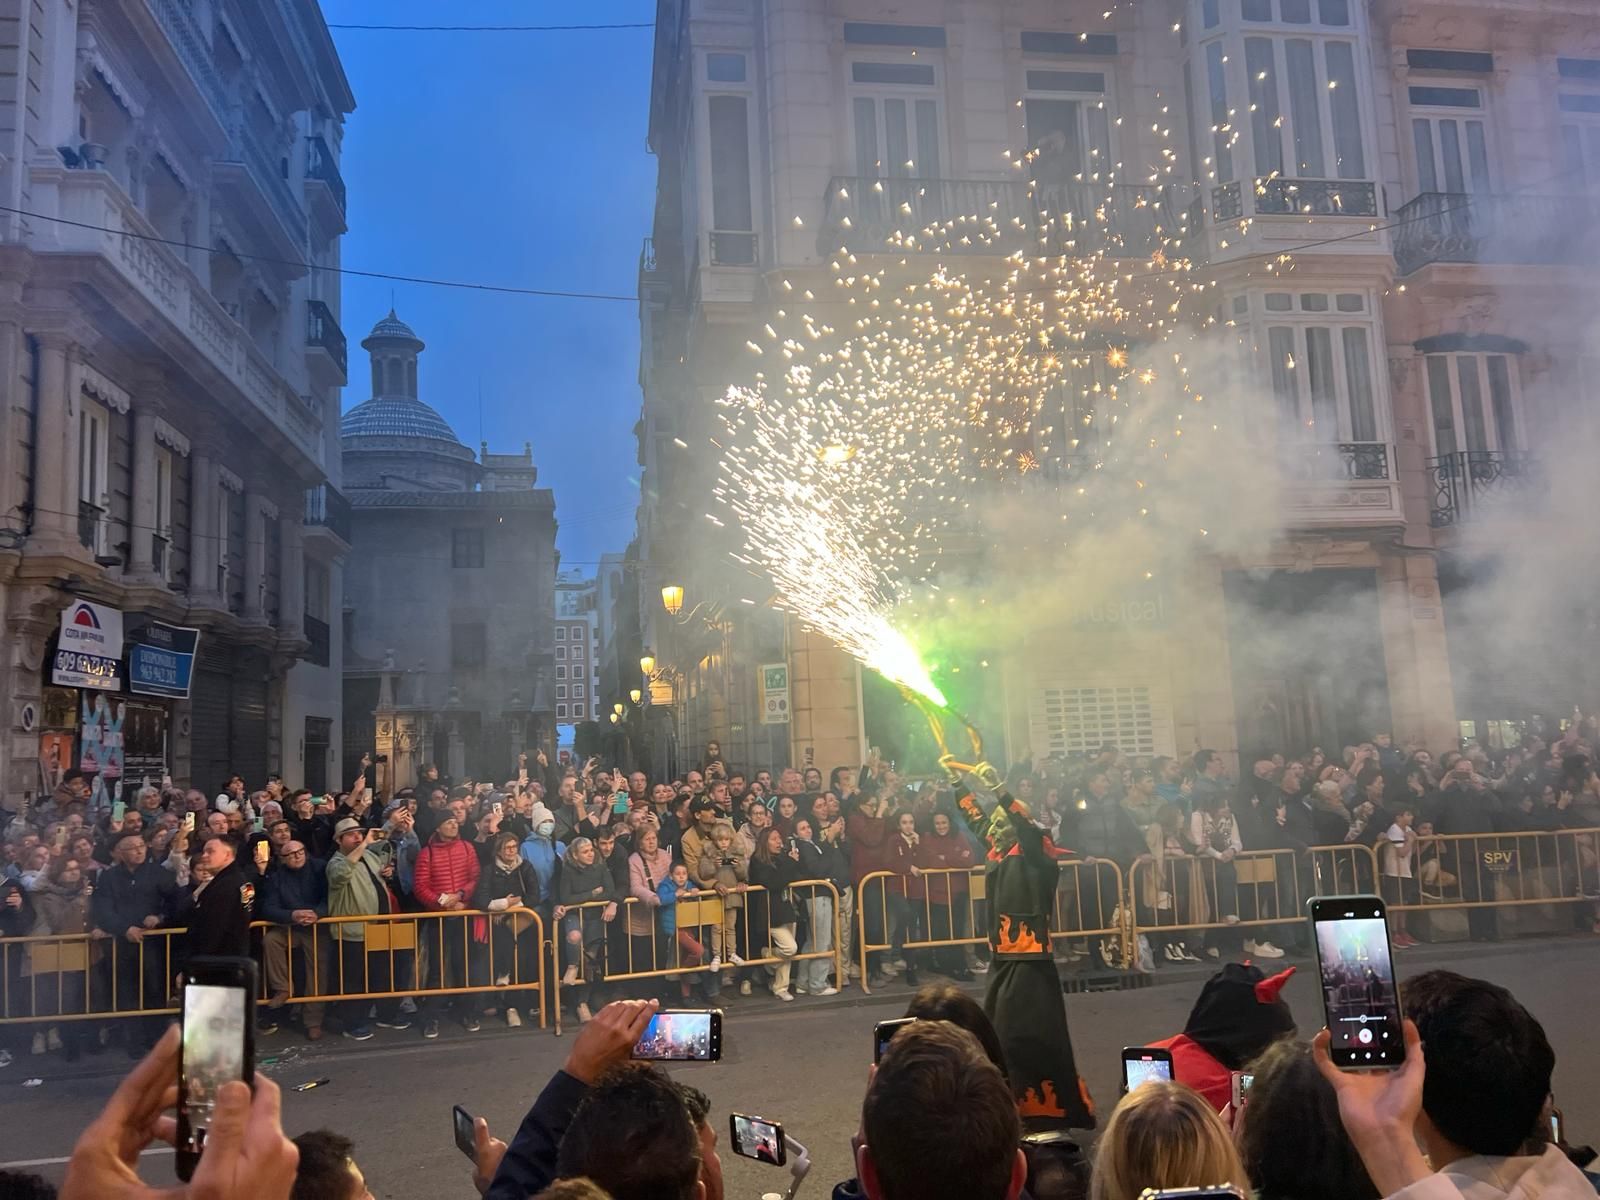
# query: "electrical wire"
[[494, 28]]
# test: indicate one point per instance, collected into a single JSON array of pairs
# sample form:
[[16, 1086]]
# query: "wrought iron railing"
[[328, 508], [267, 171], [193, 50], [1339, 460], [89, 516], [1316, 197], [1470, 480], [160, 548], [1455, 227], [324, 168], [732, 248], [322, 330]]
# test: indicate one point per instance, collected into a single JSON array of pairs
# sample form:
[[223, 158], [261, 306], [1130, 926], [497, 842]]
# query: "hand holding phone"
[[218, 1046], [1145, 1064], [758, 1138], [1355, 967], [461, 1120], [883, 1033], [682, 1035]]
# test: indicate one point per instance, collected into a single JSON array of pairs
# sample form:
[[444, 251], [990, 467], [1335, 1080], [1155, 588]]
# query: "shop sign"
[[775, 694], [89, 649], [161, 660]]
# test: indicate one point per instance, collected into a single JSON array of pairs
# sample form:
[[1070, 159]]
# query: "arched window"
[[411, 378], [396, 384], [377, 377]]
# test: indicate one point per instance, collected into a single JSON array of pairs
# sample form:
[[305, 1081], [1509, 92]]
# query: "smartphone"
[[380, 835], [498, 807], [117, 810], [218, 1046], [1239, 1088], [188, 822], [758, 1138], [1145, 1064], [682, 1035], [1557, 1135], [1356, 969], [883, 1033], [461, 1119], [620, 803]]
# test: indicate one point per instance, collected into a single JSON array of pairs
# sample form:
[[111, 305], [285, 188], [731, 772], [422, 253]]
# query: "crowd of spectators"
[[608, 858]]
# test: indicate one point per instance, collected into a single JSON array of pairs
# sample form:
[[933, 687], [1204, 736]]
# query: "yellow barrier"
[[66, 977], [706, 919], [1499, 870], [950, 899]]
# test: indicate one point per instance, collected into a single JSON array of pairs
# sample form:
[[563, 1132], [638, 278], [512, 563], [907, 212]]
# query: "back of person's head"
[[939, 1121], [15, 1185], [1489, 1062], [326, 1170], [1164, 1135], [1290, 1137], [574, 1189], [633, 1136], [946, 1002]]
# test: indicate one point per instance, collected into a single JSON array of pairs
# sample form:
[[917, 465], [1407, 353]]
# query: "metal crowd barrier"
[[1500, 870], [950, 914], [636, 936], [74, 977]]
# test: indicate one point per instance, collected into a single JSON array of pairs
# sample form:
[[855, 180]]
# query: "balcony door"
[[1320, 357], [1068, 127], [1447, 129], [895, 120], [1474, 401]]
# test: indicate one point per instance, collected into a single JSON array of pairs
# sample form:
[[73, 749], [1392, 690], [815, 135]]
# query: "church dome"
[[396, 416], [392, 329]]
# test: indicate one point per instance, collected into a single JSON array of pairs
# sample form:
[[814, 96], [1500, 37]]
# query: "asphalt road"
[[803, 1063]]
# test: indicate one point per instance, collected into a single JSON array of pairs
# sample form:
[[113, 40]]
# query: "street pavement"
[[804, 1064]]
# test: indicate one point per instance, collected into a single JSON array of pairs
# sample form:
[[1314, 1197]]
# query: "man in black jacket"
[[294, 897], [131, 897], [219, 922]]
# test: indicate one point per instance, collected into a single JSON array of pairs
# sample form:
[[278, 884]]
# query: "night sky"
[[519, 159]]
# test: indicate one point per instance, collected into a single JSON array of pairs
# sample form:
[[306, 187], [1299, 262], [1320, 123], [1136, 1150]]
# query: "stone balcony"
[[1340, 484], [1475, 485], [1527, 230]]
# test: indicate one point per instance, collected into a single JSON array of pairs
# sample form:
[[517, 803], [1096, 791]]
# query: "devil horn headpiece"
[[1267, 989]]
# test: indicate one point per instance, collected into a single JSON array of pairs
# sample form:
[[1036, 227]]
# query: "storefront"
[[110, 681]]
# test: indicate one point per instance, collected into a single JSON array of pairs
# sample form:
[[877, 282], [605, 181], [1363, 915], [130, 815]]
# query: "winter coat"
[[60, 909], [868, 838], [775, 877], [219, 923], [583, 885], [288, 888], [445, 867], [123, 898], [543, 854], [645, 873], [358, 889], [712, 870], [935, 853]]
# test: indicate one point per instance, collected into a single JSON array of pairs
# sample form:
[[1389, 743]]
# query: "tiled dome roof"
[[396, 416], [393, 327]]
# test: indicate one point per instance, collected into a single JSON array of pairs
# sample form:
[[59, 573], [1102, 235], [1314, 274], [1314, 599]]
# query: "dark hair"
[[1367, 776], [1202, 759], [696, 1101], [939, 1119], [1292, 1142], [324, 1170], [946, 1002], [14, 1185], [1489, 1062], [633, 1136]]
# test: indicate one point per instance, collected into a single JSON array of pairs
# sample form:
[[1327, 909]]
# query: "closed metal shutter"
[[249, 733], [228, 718]]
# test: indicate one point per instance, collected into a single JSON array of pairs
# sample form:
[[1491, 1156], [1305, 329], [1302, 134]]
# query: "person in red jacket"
[[1239, 1014], [946, 858], [444, 880], [867, 831]]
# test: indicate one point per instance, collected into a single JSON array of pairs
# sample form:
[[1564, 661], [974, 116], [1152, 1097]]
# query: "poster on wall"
[[100, 737], [144, 742], [122, 740], [55, 757], [59, 710], [89, 648], [161, 660]]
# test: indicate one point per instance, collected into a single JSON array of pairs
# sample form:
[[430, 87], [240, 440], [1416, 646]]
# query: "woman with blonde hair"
[[1164, 1135]]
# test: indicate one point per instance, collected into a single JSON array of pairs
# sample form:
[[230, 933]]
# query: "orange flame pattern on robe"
[[1017, 937]]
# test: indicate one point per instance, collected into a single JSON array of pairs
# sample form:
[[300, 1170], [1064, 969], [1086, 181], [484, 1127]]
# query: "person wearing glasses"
[[294, 895]]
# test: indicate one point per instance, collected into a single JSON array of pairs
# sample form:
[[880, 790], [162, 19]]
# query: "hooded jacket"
[[445, 867], [543, 854], [1238, 1014], [1549, 1176]]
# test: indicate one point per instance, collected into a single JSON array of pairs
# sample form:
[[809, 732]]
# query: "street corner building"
[[171, 529], [450, 594], [1430, 171]]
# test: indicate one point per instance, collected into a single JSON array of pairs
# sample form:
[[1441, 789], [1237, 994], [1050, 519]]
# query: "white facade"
[[171, 360], [577, 655]]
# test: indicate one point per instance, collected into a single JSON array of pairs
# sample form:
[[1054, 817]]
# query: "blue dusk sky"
[[517, 159]]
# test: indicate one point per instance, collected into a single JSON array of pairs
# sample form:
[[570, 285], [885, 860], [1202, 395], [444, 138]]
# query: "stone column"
[[141, 560], [291, 575], [203, 502], [255, 556], [55, 467], [1416, 656]]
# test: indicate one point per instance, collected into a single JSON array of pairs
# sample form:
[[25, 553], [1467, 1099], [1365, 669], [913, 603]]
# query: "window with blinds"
[[1079, 720]]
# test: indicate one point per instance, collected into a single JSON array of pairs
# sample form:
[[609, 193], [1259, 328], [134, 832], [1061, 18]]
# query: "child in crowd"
[[724, 868], [1397, 851], [689, 952]]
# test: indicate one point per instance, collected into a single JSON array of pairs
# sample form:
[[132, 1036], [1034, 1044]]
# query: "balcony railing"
[[1316, 197], [322, 167], [1451, 227], [89, 516], [980, 216], [318, 634], [267, 171], [328, 508], [1338, 460], [323, 331], [647, 257], [192, 49], [1472, 480], [732, 248], [160, 551]]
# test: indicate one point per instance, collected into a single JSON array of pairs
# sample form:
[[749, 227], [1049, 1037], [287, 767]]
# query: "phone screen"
[[117, 811], [757, 1138], [216, 1049], [682, 1035], [1358, 984], [461, 1120], [883, 1033], [1145, 1066]]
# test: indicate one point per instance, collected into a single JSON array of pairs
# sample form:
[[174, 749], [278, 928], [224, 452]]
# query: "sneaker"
[[395, 1022], [570, 975], [38, 1043], [827, 991], [736, 960], [1170, 953], [1186, 954], [53, 1038], [853, 971], [471, 1024], [359, 1033], [783, 993], [891, 968], [314, 1033], [982, 968], [1231, 919], [584, 1014], [799, 989], [502, 980], [430, 1029], [1213, 952], [1262, 949], [266, 1024], [716, 963], [513, 1018], [876, 980], [744, 987], [408, 1006]]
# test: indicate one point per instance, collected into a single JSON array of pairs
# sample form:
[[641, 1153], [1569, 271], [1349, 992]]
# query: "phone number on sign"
[[86, 664]]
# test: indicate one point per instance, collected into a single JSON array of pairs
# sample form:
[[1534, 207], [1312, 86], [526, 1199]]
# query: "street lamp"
[[672, 599], [647, 664], [616, 708], [615, 718], [635, 694]]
